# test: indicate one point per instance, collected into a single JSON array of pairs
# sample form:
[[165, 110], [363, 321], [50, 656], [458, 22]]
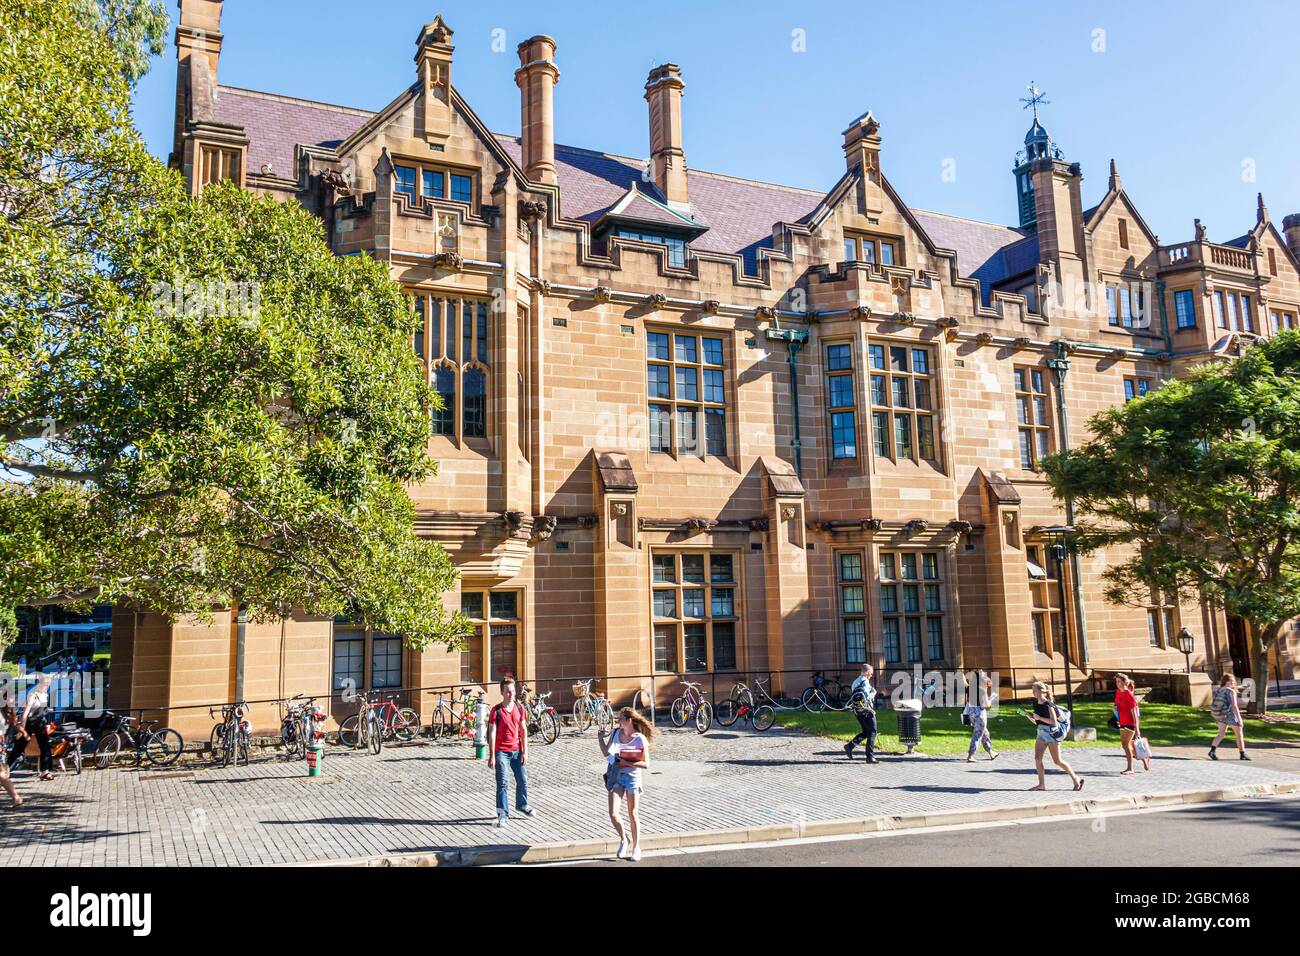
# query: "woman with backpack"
[[1226, 710], [1052, 726]]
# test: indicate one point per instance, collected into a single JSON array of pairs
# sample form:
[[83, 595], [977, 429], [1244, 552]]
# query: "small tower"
[[1038, 145]]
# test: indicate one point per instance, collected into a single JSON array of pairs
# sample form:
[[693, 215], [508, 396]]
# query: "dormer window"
[[676, 246], [433, 182]]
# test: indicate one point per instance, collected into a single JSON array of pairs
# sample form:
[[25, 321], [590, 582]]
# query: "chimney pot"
[[536, 78]]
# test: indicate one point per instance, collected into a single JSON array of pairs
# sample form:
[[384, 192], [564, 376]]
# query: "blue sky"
[[1189, 98]]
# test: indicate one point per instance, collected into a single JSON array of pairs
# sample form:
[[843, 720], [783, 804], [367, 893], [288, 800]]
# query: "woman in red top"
[[1126, 708]]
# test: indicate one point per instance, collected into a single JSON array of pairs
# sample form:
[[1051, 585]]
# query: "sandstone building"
[[700, 423]]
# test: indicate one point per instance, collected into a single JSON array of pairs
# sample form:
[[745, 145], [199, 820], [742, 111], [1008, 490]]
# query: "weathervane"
[[1035, 97]]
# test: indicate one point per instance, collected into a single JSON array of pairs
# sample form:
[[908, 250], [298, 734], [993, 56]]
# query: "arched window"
[[459, 354]]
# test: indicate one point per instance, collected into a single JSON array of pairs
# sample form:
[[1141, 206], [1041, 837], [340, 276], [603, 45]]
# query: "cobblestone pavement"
[[427, 796]]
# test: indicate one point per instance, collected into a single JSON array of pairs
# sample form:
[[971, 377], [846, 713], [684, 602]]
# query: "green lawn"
[[942, 732]]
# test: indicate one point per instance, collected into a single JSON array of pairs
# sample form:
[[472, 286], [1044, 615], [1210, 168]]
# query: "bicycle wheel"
[[163, 747], [812, 699], [582, 716], [763, 717], [727, 711], [76, 757], [406, 723], [229, 745], [604, 715], [107, 750], [549, 724], [678, 712], [215, 743], [438, 727], [833, 691], [349, 732], [703, 717], [374, 734]]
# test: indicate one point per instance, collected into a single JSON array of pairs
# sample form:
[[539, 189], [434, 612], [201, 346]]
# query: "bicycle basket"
[[579, 690]]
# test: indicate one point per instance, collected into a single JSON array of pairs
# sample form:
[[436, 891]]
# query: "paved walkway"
[[424, 796]]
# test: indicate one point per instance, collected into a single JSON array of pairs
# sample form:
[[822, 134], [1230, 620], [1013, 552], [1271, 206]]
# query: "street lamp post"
[[1185, 644], [1059, 534]]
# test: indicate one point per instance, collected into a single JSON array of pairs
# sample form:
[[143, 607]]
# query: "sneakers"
[[848, 750], [1243, 755], [635, 855], [622, 848], [872, 760], [1213, 753], [501, 821], [529, 812]]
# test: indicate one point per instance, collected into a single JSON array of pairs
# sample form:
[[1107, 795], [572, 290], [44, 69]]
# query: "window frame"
[[218, 163], [702, 407], [874, 241], [833, 410], [1044, 610], [679, 621], [418, 197], [856, 616], [1189, 296], [483, 624], [450, 347], [1023, 381], [1136, 386], [893, 412], [366, 639], [677, 246], [902, 613]]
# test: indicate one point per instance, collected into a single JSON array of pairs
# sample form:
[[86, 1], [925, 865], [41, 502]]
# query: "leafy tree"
[[136, 29], [200, 405], [1201, 478]]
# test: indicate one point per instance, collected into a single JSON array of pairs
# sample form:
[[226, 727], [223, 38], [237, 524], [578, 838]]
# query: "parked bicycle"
[[591, 707], [825, 693], [542, 718], [67, 742], [363, 729], [295, 725], [160, 747], [741, 704], [400, 722], [692, 706], [454, 718], [230, 739]]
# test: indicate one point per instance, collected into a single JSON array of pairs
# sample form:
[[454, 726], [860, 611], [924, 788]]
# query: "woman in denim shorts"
[[623, 775]]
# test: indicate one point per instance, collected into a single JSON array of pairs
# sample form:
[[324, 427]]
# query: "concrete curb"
[[585, 849]]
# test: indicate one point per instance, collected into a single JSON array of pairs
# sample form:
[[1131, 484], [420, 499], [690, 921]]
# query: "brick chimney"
[[1291, 229], [433, 51], [536, 78], [1059, 208], [663, 91], [198, 49]]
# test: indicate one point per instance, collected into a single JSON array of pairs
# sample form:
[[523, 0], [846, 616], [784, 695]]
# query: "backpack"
[[1221, 704], [1062, 728]]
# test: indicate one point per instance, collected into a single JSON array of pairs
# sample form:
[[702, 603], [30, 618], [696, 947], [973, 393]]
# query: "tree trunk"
[[1261, 639]]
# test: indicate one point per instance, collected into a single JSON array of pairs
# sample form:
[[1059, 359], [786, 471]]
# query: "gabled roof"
[[637, 207], [739, 213]]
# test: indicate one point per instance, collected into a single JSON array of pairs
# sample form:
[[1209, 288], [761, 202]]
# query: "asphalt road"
[[1263, 831]]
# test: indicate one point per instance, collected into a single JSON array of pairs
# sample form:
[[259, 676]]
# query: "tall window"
[[492, 650], [1126, 305], [686, 386], [877, 250], [1043, 599], [1162, 624], [696, 617], [902, 402], [841, 400], [432, 182], [457, 350], [911, 606], [1032, 416], [676, 246], [1136, 387], [1232, 311], [1185, 309], [1284, 321], [217, 163], [853, 611]]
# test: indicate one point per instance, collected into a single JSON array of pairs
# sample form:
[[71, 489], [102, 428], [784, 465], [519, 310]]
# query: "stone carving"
[[765, 312], [656, 300], [1118, 354], [788, 512], [860, 312], [588, 521], [336, 180], [905, 318], [697, 524], [959, 526], [544, 286], [915, 527], [1020, 343], [602, 293], [710, 306], [514, 520], [872, 525], [1200, 230], [984, 338], [618, 509], [448, 260], [544, 526], [530, 209], [760, 524]]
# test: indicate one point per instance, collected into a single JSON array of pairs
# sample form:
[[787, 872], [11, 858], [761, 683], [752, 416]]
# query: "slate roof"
[[739, 212]]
